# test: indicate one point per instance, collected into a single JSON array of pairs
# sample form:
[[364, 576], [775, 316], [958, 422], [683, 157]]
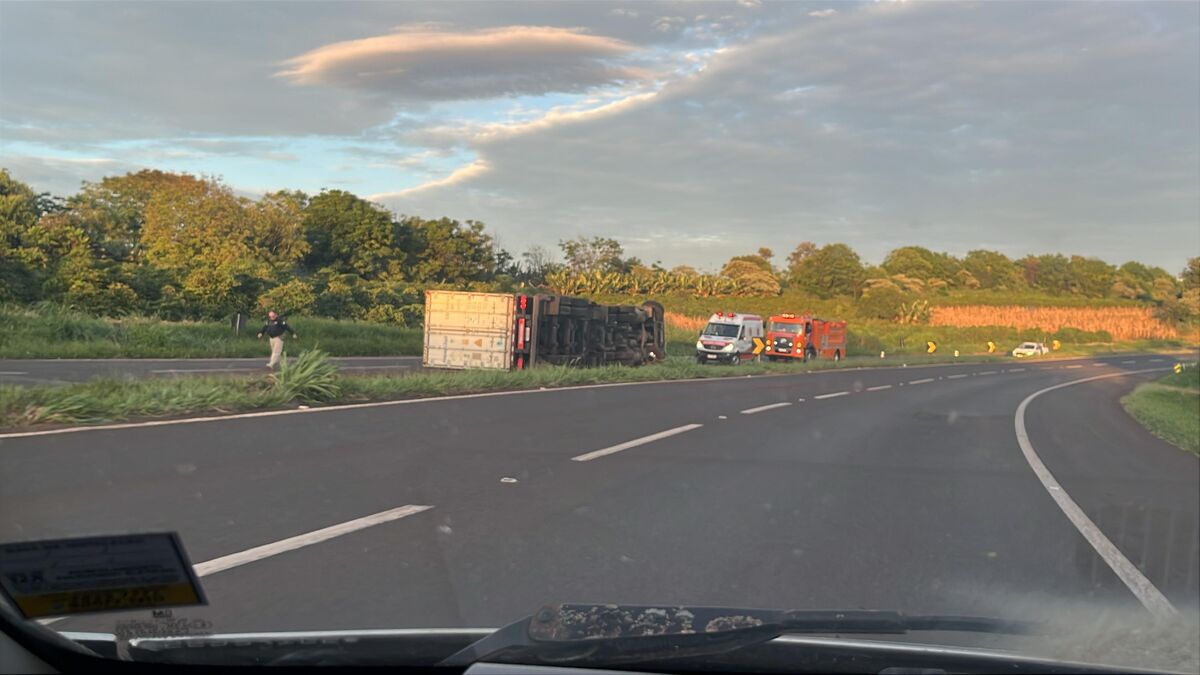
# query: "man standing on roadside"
[[274, 328]]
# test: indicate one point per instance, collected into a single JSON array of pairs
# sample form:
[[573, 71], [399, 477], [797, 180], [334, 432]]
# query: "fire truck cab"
[[803, 337], [728, 338]]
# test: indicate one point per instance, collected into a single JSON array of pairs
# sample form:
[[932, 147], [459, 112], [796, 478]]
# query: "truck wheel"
[[701, 360], [736, 360], [837, 355]]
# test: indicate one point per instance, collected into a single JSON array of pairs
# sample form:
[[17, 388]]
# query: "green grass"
[[50, 332], [1170, 408], [311, 379]]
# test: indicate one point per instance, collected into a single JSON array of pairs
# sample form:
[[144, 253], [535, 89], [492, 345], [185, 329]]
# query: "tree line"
[[186, 247]]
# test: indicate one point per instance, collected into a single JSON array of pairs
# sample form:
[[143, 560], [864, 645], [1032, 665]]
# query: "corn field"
[[1123, 323], [692, 323]]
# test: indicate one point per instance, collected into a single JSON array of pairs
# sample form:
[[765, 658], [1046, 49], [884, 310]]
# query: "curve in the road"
[[1130, 575]]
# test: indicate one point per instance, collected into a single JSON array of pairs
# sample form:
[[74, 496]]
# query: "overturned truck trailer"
[[517, 331]]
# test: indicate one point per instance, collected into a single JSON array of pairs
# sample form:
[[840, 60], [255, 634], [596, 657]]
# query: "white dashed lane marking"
[[880, 387], [595, 454], [833, 395], [751, 411], [928, 379], [955, 377]]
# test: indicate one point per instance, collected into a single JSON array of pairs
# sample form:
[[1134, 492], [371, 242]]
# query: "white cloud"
[[919, 124], [439, 65], [459, 175], [823, 13]]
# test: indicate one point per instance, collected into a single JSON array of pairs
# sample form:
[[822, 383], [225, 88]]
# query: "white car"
[[1030, 349]]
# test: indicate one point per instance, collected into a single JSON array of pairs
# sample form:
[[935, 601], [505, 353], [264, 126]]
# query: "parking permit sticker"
[[57, 577]]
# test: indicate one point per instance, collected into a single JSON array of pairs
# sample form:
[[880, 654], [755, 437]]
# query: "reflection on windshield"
[[726, 330], [784, 327]]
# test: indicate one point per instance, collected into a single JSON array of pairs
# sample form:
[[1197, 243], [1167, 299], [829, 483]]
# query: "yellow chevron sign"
[[930, 346], [991, 347]]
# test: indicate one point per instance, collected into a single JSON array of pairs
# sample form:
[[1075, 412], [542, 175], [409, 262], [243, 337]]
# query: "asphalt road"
[[900, 488], [58, 371]]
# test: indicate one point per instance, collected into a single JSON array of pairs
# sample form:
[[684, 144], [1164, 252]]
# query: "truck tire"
[[837, 355], [701, 359]]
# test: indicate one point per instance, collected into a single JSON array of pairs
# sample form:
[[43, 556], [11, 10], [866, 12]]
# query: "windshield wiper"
[[567, 633]]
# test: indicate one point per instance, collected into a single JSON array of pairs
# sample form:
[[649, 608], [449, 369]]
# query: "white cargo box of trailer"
[[468, 330]]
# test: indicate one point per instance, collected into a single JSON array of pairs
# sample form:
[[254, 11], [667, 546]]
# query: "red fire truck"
[[803, 337]]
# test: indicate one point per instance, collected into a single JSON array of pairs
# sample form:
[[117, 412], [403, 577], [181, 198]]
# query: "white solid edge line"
[[206, 370], [1070, 367], [928, 379], [1016, 370], [751, 411], [1151, 598], [300, 541], [1128, 362], [11, 372], [833, 395], [955, 377], [589, 456], [290, 544], [880, 387]]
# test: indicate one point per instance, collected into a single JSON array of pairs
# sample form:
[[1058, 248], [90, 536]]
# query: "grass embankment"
[[312, 380], [50, 332], [1170, 408]]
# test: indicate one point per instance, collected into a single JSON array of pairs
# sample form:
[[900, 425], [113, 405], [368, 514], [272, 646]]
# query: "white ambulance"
[[729, 338]]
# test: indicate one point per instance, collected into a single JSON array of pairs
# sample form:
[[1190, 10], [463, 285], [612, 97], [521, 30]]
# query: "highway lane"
[[892, 488], [59, 371]]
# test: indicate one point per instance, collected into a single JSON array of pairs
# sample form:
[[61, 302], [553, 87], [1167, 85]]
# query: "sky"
[[689, 131]]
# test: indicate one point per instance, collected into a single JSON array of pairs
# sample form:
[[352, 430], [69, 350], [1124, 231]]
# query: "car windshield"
[[322, 316], [725, 330]]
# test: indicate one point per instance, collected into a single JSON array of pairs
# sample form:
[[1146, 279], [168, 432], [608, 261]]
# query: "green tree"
[[1050, 273], [835, 269], [348, 234], [803, 250], [112, 211], [1091, 277], [1191, 274], [598, 254], [880, 301], [220, 251], [992, 269], [447, 251], [18, 213], [751, 277], [755, 260], [911, 261], [921, 263]]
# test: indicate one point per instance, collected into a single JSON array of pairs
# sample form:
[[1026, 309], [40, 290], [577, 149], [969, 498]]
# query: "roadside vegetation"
[[50, 331], [181, 248], [1170, 408], [311, 379]]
